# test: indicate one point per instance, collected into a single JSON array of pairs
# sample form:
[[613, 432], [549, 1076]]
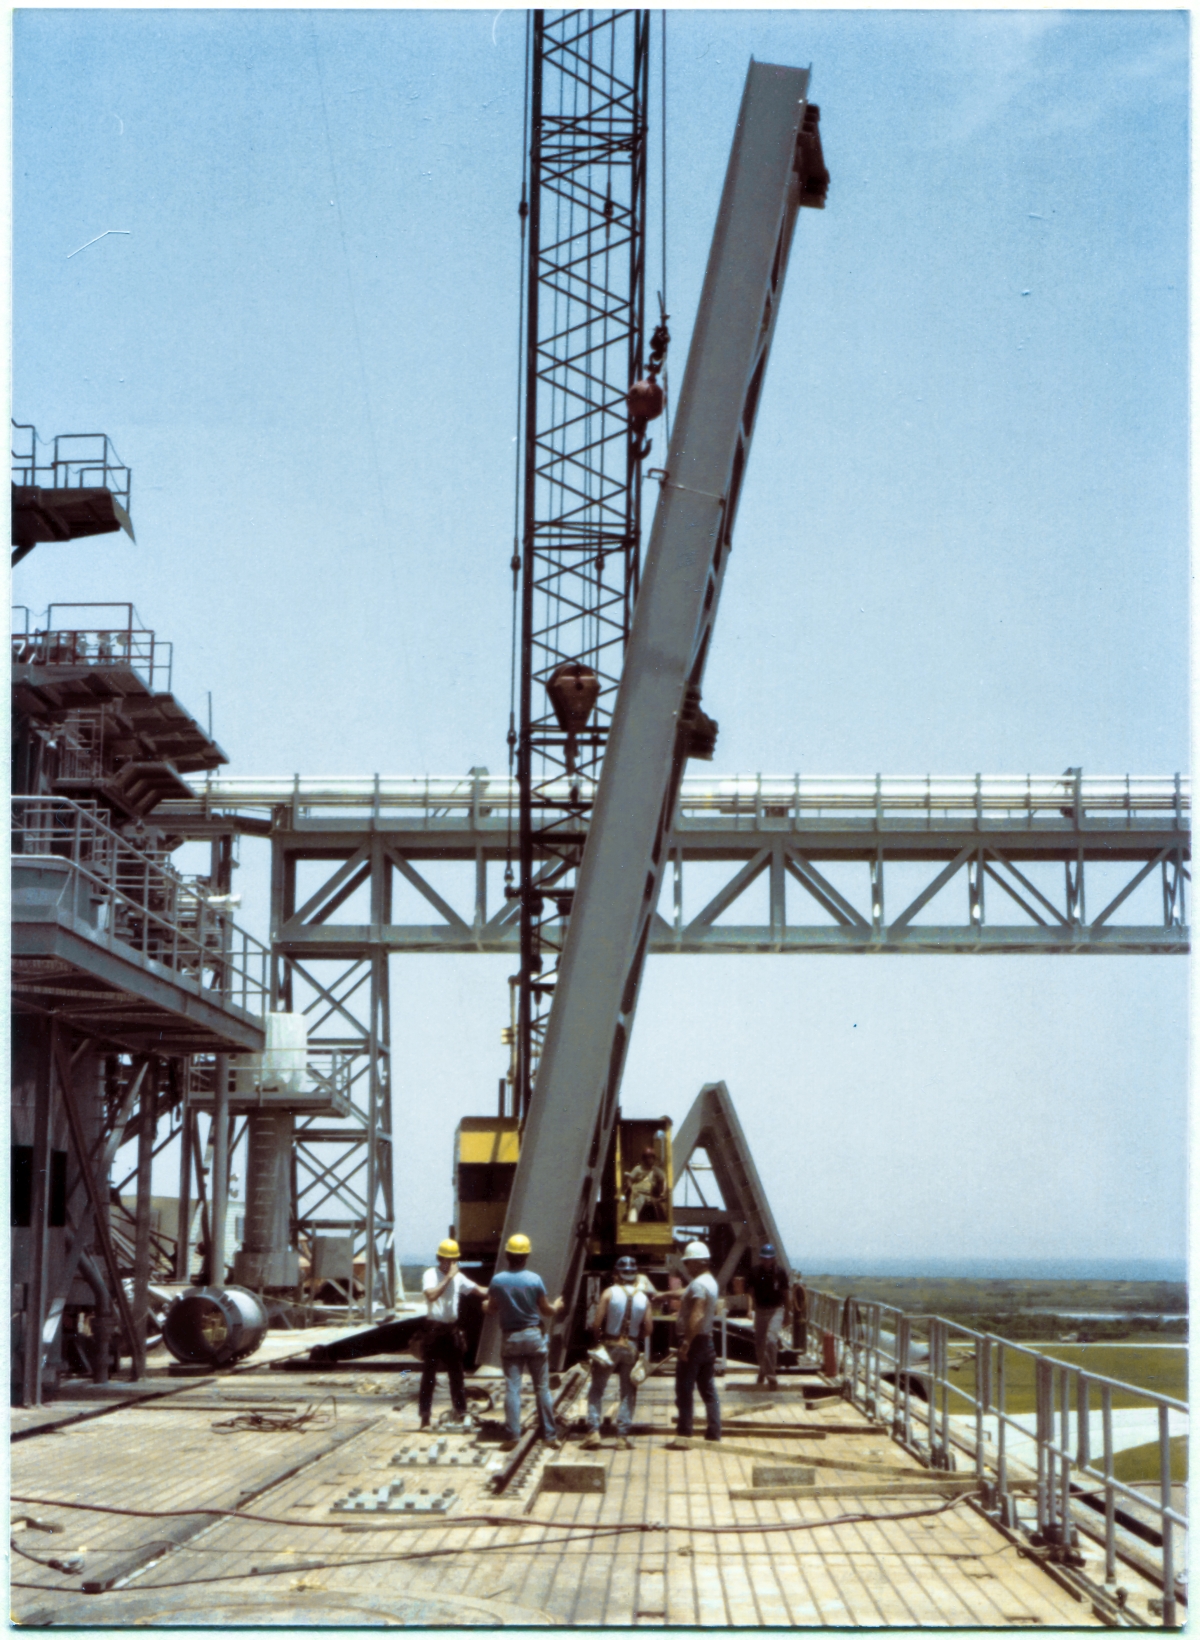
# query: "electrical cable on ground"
[[313, 1416], [591, 1534], [69, 1564], [506, 1520]]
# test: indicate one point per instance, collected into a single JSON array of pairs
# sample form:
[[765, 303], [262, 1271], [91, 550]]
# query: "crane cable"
[[515, 563], [662, 124]]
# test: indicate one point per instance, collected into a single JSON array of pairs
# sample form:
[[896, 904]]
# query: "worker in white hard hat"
[[696, 1355], [622, 1324], [518, 1296], [443, 1344]]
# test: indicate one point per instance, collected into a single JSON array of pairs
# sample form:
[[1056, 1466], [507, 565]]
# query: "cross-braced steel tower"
[[584, 307]]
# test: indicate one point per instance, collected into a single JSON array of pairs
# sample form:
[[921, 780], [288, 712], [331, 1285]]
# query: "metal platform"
[[121, 948]]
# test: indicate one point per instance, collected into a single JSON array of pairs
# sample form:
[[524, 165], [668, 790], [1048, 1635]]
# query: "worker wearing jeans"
[[696, 1354], [518, 1297], [622, 1324]]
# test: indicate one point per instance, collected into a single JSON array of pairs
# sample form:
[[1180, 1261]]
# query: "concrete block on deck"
[[783, 1474], [568, 1476]]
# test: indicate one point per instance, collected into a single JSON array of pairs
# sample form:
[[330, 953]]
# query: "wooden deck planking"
[[879, 1572]]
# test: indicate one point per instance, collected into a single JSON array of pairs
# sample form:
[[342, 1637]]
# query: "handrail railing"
[[77, 461], [141, 903], [97, 642], [1038, 799], [897, 1375]]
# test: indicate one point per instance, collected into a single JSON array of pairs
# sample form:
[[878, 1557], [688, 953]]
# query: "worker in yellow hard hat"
[[518, 1297], [443, 1344]]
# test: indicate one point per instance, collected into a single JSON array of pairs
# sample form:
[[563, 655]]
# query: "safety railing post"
[[983, 1362], [1001, 1399], [1043, 1390], [1083, 1443], [901, 1411], [1165, 1496], [1110, 1497], [1064, 1460]]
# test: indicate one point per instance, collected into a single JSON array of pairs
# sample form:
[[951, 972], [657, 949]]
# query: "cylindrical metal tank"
[[214, 1326], [267, 1258]]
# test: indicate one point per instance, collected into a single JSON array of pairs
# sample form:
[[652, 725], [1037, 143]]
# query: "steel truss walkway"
[[848, 864]]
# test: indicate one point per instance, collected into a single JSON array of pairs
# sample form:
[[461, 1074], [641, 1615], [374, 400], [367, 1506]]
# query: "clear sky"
[[962, 543]]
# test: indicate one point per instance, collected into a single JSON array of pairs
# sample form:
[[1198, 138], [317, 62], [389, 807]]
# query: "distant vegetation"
[[1029, 1311], [1162, 1372]]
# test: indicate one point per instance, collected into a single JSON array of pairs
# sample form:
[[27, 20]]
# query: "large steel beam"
[[575, 1096]]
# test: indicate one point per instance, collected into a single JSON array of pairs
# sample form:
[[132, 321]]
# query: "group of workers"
[[620, 1327]]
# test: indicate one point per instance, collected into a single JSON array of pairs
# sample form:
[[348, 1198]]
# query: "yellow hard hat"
[[448, 1249], [518, 1244]]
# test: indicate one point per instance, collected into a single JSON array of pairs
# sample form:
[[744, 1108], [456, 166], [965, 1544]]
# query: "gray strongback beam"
[[574, 1101]]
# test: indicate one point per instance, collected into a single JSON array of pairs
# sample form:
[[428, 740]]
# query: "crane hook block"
[[644, 400], [573, 689]]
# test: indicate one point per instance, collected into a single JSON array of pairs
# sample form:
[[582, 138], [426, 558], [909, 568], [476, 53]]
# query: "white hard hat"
[[695, 1253]]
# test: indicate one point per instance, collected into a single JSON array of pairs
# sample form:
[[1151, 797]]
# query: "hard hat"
[[695, 1253], [447, 1249], [518, 1244], [627, 1266], [766, 1250]]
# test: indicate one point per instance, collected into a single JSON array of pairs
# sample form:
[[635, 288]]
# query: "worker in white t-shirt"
[[444, 1345], [696, 1357]]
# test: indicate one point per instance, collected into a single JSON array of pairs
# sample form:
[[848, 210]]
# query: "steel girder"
[[343, 1168], [1039, 897], [657, 723]]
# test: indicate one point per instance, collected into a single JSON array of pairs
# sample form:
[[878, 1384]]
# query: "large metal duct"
[[267, 1259]]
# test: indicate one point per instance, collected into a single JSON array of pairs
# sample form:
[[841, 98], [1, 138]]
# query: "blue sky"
[[962, 544]]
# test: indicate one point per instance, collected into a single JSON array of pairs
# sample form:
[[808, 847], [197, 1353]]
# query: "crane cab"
[[634, 1212], [640, 1180]]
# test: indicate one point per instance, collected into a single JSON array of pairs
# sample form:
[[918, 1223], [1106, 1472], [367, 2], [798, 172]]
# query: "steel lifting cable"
[[518, 445], [663, 235]]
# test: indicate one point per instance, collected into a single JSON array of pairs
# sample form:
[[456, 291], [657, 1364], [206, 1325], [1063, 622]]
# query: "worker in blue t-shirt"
[[518, 1297]]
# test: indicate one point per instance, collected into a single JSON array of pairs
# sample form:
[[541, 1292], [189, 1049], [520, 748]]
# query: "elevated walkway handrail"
[[1059, 799], [882, 1369]]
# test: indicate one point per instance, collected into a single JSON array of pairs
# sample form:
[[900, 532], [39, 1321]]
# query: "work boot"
[[553, 1442], [681, 1443], [508, 1444], [772, 1383], [424, 1423], [624, 1444], [591, 1441]]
